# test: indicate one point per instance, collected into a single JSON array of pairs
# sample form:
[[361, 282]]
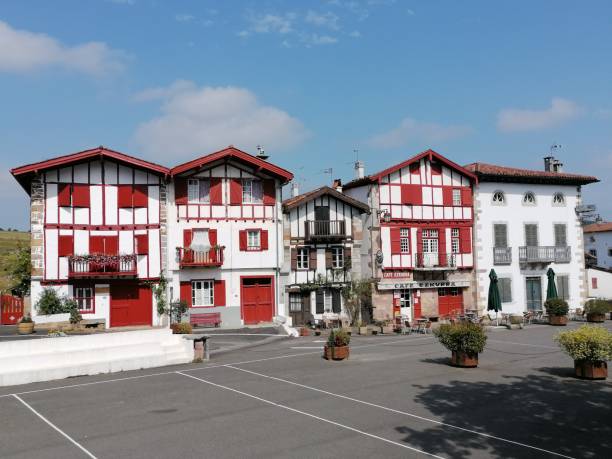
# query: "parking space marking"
[[329, 421], [68, 437], [386, 408]]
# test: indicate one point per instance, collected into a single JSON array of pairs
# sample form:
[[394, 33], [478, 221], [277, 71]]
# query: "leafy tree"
[[18, 266], [357, 295]]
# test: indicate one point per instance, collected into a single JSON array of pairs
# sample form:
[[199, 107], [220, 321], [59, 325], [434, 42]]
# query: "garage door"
[[257, 300], [130, 304], [450, 301]]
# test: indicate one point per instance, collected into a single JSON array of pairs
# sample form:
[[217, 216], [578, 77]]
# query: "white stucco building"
[[598, 243], [525, 223]]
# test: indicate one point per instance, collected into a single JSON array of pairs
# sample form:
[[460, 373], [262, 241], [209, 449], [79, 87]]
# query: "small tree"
[[177, 310], [356, 294], [18, 266], [49, 302]]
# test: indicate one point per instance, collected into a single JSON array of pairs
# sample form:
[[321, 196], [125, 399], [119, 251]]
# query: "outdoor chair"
[[406, 330], [427, 328]]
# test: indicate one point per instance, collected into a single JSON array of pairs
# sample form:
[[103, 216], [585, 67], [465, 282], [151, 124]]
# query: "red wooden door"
[[257, 300], [450, 301], [11, 309], [131, 304]]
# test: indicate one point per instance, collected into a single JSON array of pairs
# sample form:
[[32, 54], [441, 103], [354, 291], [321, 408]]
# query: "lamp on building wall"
[[385, 214]]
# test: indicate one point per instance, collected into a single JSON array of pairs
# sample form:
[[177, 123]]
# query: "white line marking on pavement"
[[68, 437], [399, 412], [329, 421], [307, 347], [524, 344]]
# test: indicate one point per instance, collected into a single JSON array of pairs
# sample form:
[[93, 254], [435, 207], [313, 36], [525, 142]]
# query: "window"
[[84, 296], [455, 240], [531, 235], [593, 252], [198, 191], [430, 241], [295, 302], [404, 298], [337, 257], [560, 235], [456, 197], [563, 287], [253, 240], [404, 240], [529, 199], [505, 289], [498, 198], [202, 293], [610, 252], [327, 300], [500, 235], [302, 258], [252, 191], [594, 282], [558, 199]]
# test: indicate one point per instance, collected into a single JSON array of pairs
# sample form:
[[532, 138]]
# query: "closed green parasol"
[[494, 301], [551, 289]]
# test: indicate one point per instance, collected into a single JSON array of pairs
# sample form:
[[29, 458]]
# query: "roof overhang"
[[292, 203]]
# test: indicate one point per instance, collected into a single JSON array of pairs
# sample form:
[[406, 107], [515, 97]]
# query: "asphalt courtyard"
[[395, 397]]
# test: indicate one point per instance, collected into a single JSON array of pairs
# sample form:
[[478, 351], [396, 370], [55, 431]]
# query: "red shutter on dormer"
[[466, 196], [80, 195], [396, 244], [269, 192], [186, 292], [242, 239], [465, 240], [141, 196], [216, 191], [219, 293], [142, 244], [63, 195], [180, 192], [264, 239], [124, 196], [436, 169], [412, 194], [187, 237], [447, 196], [235, 192], [65, 247]]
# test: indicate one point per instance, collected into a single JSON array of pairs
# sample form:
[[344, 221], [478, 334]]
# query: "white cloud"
[[160, 93], [411, 130], [269, 23], [559, 112], [355, 34], [199, 120], [315, 39], [328, 19], [22, 51], [184, 17]]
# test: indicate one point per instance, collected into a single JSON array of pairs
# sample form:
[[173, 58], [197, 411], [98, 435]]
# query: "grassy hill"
[[9, 241]]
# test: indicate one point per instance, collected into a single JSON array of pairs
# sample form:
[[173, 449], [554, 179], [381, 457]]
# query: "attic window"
[[498, 198], [529, 199], [558, 199]]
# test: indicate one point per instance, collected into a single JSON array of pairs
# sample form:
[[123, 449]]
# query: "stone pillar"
[[37, 218]]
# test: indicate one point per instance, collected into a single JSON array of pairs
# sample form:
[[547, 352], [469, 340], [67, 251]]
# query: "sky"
[[316, 83]]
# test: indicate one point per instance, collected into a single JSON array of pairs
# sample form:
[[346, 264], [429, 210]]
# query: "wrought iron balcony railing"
[[502, 255], [200, 259], [545, 254], [435, 261], [325, 229]]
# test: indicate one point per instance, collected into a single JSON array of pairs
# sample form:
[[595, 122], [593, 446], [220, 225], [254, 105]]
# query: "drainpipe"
[[277, 270]]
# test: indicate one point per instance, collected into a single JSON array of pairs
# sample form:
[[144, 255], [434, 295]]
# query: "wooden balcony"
[[92, 266], [502, 255], [189, 258], [435, 261], [545, 254], [321, 230]]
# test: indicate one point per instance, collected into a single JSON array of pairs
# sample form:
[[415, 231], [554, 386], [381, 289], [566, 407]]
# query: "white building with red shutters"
[[418, 236], [225, 236], [97, 233]]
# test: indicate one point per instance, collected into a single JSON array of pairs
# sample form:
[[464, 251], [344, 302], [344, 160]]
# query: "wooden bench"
[[205, 318]]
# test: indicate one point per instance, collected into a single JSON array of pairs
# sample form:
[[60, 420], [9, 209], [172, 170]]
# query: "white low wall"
[[51, 318]]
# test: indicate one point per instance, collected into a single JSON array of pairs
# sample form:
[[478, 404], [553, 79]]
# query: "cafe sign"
[[423, 284]]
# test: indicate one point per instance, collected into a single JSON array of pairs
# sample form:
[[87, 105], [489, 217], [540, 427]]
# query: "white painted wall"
[[604, 284], [602, 243]]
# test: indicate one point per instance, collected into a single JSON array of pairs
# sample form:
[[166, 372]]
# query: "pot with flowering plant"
[[337, 346], [590, 347]]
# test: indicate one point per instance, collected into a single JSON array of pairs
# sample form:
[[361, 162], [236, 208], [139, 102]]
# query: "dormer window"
[[499, 198], [558, 199], [529, 199], [252, 191], [198, 191]]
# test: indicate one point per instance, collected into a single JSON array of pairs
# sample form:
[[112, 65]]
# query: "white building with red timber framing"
[[97, 233], [418, 236], [225, 236]]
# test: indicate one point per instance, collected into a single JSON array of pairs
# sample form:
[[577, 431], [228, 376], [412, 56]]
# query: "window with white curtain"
[[202, 293], [200, 241]]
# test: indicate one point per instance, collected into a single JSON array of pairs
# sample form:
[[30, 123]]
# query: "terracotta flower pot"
[[596, 317], [304, 331], [557, 320], [463, 360], [25, 328], [336, 352], [591, 370]]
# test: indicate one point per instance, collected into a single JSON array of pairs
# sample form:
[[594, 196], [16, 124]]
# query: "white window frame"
[[253, 239], [303, 257], [337, 257], [455, 240], [205, 299], [404, 240], [252, 191], [79, 297], [295, 302], [456, 197], [328, 300], [194, 191]]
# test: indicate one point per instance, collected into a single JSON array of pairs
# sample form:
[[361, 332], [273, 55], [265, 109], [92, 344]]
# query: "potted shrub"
[[25, 326], [465, 340], [337, 346], [181, 328], [557, 310], [590, 347], [304, 331], [596, 310]]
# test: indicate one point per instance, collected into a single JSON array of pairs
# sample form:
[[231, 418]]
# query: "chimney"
[[337, 185], [551, 164], [261, 153], [359, 169], [295, 189], [547, 161]]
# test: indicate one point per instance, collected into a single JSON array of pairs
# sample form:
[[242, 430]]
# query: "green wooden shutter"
[[560, 235], [500, 235], [505, 289], [563, 287], [320, 302], [531, 235]]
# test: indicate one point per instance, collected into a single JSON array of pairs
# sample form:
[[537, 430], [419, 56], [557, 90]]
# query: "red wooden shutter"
[[264, 239], [141, 196], [235, 192], [242, 239], [180, 192], [269, 192], [419, 240], [216, 191], [396, 245], [412, 194], [348, 260], [142, 244], [124, 196], [80, 196], [312, 262], [466, 196], [65, 246], [415, 168], [212, 237], [96, 244], [294, 259], [442, 257], [329, 258], [436, 169], [219, 293], [187, 237], [593, 282], [111, 245], [447, 195], [465, 240], [63, 195], [186, 292]]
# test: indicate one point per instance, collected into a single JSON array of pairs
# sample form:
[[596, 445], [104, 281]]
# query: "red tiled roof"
[[491, 172], [598, 227], [324, 190], [233, 152]]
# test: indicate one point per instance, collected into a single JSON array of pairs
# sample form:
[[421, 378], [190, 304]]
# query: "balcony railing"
[[325, 229], [435, 261], [200, 259], [545, 254], [102, 266], [502, 255]]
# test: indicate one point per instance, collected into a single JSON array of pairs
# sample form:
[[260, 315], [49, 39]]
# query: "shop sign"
[[422, 284]]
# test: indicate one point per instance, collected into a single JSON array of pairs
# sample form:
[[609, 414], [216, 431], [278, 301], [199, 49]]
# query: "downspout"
[[277, 270]]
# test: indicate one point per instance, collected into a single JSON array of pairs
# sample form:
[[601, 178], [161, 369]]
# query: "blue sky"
[[311, 81]]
